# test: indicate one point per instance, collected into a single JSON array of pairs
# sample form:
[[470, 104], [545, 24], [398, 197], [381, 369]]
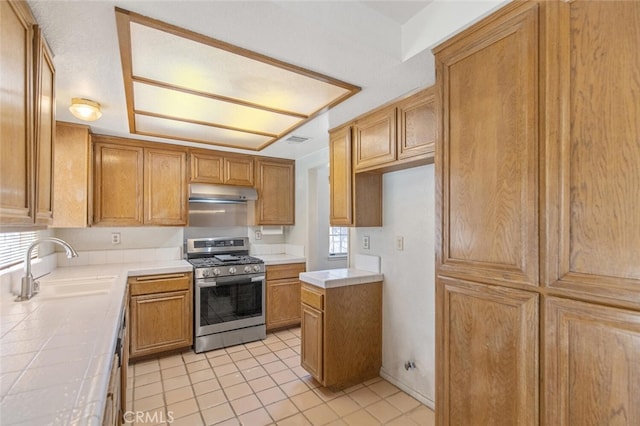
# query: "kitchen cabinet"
[[276, 191], [355, 200], [416, 120], [161, 309], [283, 295], [72, 176], [138, 184], [375, 139], [213, 167], [341, 333], [27, 127], [537, 203]]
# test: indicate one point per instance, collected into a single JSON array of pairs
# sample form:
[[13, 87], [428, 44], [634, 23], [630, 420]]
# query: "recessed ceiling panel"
[[176, 75]]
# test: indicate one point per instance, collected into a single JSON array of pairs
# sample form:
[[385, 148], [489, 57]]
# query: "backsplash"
[[103, 257], [258, 249]]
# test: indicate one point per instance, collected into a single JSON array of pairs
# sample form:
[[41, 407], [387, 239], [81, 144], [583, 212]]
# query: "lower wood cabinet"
[[342, 333], [283, 295], [161, 309]]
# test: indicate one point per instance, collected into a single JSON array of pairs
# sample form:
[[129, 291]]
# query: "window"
[[338, 241], [13, 246]]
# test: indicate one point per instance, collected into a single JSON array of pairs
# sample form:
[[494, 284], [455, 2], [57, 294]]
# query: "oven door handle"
[[229, 281]]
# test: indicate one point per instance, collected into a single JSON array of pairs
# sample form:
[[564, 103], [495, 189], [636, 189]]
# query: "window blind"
[[13, 247]]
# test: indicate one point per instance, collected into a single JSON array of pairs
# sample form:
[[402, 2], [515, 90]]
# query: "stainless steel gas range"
[[229, 289]]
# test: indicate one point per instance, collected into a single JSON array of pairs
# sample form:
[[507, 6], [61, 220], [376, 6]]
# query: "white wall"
[[99, 238], [409, 278]]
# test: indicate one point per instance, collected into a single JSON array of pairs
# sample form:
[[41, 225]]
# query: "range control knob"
[[256, 268], [206, 273], [216, 272], [247, 269], [232, 270]]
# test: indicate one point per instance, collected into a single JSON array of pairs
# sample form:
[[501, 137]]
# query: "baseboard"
[[417, 395]]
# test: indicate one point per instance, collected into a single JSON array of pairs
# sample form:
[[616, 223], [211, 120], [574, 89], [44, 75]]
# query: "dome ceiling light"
[[85, 109]]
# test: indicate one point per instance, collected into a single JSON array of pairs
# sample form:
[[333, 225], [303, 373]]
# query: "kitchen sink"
[[75, 287]]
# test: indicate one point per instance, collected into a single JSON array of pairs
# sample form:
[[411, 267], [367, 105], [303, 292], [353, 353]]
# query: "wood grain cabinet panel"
[[283, 295], [206, 168], [276, 192], [417, 125], [311, 343], [165, 187], [592, 369], [488, 348], [214, 167], [593, 151], [489, 150], [238, 171], [375, 139]]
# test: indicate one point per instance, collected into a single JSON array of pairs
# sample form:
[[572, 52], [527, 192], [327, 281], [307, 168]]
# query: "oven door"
[[228, 303]]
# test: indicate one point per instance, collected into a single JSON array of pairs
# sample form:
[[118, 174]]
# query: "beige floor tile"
[[360, 418], [294, 387], [271, 338], [191, 356], [284, 376], [327, 395], [320, 415], [401, 421], [201, 376], [211, 399], [299, 371], [266, 358], [282, 409], [372, 381], [284, 334], [338, 422], [258, 417], [292, 362], [260, 350], [240, 355], [274, 367], [297, 420], [255, 344], [231, 422], [343, 405], [233, 349], [215, 353], [178, 395], [364, 396], [403, 401], [306, 400], [245, 404], [254, 373], [383, 411], [191, 420], [295, 341], [276, 346], [223, 370], [271, 395], [231, 379], [422, 416], [146, 367], [183, 408], [217, 414], [198, 365], [147, 390], [262, 383], [311, 382], [354, 387], [175, 383], [146, 379], [238, 391], [297, 349], [247, 363], [285, 353], [296, 331], [149, 403], [206, 386], [383, 388], [169, 373], [220, 360]]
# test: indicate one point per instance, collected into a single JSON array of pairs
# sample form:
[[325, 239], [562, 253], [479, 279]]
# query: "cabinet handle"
[[160, 277]]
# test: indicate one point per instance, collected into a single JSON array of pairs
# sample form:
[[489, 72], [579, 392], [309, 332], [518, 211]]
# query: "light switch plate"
[[366, 242]]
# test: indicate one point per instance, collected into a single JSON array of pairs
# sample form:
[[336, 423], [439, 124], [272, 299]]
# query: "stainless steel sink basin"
[[74, 287]]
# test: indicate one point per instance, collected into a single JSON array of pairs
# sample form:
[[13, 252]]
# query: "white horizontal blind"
[[338, 241], [13, 247]]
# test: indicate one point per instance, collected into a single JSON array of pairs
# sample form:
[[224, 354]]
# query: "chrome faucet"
[[28, 283]]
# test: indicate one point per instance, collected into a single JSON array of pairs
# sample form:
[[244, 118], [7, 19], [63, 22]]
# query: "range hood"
[[222, 194]]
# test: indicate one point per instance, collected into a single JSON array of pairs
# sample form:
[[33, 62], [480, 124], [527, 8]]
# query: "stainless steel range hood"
[[219, 205]]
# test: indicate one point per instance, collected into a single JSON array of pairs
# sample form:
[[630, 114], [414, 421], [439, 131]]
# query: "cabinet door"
[[593, 150], [375, 139], [417, 125], [165, 187], [44, 129], [206, 168], [592, 364], [16, 126], [276, 196], [283, 303], [118, 183], [238, 171], [340, 178], [487, 163], [312, 341], [487, 353], [160, 322]]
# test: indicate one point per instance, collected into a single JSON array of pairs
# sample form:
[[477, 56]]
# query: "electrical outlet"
[[399, 243], [258, 235], [366, 242], [115, 238]]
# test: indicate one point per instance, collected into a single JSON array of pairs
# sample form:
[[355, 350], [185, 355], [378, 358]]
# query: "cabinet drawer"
[[312, 298], [150, 284], [278, 272]]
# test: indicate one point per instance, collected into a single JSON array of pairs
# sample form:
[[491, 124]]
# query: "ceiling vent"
[[296, 139]]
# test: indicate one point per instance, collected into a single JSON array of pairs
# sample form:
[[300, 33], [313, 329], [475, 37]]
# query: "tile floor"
[[260, 383]]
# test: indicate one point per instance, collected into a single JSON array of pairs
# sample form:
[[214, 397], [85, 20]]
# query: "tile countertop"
[[280, 259], [55, 353], [331, 278]]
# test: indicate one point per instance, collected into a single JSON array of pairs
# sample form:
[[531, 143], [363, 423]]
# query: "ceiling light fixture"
[[85, 109]]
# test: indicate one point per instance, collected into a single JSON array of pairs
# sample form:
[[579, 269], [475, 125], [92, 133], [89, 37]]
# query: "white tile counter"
[[56, 352], [331, 278], [281, 259]]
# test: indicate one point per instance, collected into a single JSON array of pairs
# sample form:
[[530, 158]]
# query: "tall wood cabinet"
[[538, 232], [276, 191]]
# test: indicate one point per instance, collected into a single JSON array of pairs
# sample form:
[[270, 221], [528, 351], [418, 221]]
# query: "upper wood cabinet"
[[397, 136], [210, 167], [138, 184], [276, 192], [27, 125], [355, 200], [72, 176]]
